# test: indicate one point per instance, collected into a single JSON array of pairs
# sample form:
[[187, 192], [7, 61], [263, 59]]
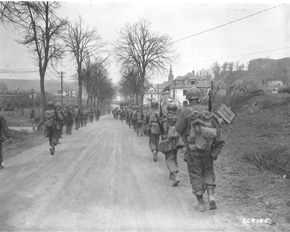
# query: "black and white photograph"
[[145, 116]]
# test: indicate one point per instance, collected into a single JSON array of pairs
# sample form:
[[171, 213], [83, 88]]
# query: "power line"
[[247, 54], [225, 24]]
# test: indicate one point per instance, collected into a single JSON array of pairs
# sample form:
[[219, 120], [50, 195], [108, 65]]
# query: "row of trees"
[[49, 37]]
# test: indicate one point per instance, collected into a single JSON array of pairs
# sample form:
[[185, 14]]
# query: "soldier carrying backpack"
[[151, 125], [138, 118], [168, 144], [50, 130], [201, 130]]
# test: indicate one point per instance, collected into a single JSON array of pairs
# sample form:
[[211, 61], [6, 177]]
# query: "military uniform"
[[200, 162], [97, 114], [4, 132], [77, 117], [151, 118], [50, 126], [69, 119], [138, 121], [170, 136]]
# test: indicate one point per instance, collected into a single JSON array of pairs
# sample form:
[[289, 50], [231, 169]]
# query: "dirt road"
[[102, 178]]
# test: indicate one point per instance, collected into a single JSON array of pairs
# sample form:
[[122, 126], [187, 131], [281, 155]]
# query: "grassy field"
[[256, 159]]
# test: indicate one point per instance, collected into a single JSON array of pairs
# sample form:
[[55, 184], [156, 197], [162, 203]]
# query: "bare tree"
[[216, 69], [148, 51], [130, 84], [41, 30], [82, 43]]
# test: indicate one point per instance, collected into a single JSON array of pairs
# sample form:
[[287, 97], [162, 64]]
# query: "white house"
[[151, 94], [178, 87]]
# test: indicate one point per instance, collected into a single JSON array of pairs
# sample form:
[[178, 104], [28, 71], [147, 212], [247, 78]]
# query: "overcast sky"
[[269, 30]]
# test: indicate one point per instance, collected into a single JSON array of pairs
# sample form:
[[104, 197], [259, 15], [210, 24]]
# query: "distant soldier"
[[4, 132], [91, 114], [77, 117], [128, 112], [138, 121], [152, 122], [81, 116], [122, 114], [169, 139], [50, 126], [201, 130], [59, 120], [69, 119], [97, 113], [132, 117], [85, 116]]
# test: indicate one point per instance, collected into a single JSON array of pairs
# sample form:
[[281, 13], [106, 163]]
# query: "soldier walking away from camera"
[[85, 116], [97, 114], [4, 132], [91, 114], [122, 114], [168, 144], [50, 126], [133, 117], [152, 121], [77, 117], [81, 116], [201, 130], [139, 121], [69, 119], [59, 120]]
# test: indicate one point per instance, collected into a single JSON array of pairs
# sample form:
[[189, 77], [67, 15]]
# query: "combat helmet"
[[58, 104], [193, 94], [172, 107], [154, 103], [50, 103]]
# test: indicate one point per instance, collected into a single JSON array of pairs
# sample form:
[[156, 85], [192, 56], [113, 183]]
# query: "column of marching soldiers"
[[193, 129], [58, 121]]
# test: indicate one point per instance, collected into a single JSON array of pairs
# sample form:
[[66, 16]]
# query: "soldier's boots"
[[175, 179], [211, 199], [52, 150], [1, 167], [154, 155], [200, 205]]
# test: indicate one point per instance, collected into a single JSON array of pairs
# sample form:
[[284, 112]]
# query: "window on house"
[[184, 92], [151, 95], [192, 82]]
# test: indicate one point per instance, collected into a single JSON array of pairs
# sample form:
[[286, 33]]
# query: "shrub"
[[284, 90]]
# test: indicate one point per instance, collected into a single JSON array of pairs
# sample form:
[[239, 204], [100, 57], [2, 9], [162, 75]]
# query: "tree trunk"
[[142, 89], [42, 100], [80, 85], [80, 93]]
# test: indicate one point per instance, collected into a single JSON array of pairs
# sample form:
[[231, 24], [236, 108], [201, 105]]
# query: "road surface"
[[101, 178]]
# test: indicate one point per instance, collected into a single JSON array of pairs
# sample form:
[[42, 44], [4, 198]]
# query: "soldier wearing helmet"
[[69, 119], [77, 116], [50, 126], [200, 162], [97, 113], [59, 120], [152, 123], [138, 119], [168, 144]]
